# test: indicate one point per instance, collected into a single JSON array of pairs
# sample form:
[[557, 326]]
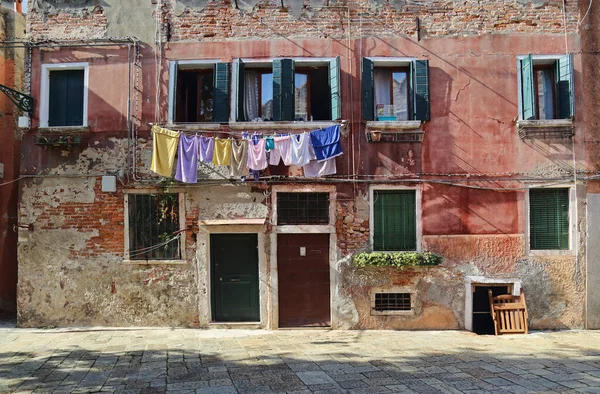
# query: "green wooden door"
[[234, 277]]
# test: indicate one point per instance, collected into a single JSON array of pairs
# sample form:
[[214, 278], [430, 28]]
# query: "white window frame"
[[266, 62], [418, 214], [174, 67], [572, 221], [45, 90], [181, 202], [537, 59]]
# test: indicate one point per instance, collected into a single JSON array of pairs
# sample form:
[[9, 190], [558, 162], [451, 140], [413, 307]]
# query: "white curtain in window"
[[251, 95], [382, 87]]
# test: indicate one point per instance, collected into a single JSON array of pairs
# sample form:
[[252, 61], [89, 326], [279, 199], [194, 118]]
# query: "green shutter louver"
[[549, 219], [283, 90], [221, 92], [527, 89], [368, 89], [564, 87], [420, 71], [241, 114], [334, 85], [394, 220]]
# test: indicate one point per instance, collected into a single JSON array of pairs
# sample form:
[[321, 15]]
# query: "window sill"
[[64, 130], [393, 313], [291, 125], [558, 252], [195, 126], [394, 131], [545, 129], [155, 262]]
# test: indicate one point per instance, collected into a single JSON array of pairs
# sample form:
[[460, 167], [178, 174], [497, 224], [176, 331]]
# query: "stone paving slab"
[[157, 360]]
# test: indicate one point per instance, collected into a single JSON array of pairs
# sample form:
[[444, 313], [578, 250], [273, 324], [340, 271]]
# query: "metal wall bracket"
[[21, 100]]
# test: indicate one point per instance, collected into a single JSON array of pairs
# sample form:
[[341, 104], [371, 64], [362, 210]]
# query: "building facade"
[[12, 27], [467, 130]]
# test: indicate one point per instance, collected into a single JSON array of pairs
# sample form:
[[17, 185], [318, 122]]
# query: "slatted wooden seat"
[[509, 313]]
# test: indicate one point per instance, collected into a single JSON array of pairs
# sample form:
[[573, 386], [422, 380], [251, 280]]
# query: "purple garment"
[[187, 159], [207, 149]]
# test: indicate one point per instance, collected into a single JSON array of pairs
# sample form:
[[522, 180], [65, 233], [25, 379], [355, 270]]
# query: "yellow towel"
[[222, 153], [163, 150]]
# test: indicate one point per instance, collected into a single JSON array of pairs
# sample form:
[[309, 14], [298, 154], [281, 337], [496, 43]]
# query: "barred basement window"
[[153, 222], [392, 302], [302, 208]]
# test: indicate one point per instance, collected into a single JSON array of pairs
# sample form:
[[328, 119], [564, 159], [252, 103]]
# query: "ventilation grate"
[[392, 302]]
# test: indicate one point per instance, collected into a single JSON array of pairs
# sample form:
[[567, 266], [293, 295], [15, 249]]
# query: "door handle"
[[234, 280]]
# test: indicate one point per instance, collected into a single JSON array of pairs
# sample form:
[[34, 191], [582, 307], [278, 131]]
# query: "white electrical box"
[[24, 122], [109, 184], [302, 250]]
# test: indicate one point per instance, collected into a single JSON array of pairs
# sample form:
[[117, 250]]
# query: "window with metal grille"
[[302, 208], [153, 222], [392, 302], [394, 220], [549, 219]]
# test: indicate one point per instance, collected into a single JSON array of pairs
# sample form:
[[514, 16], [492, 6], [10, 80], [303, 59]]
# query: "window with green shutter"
[[394, 220], [549, 219], [546, 87]]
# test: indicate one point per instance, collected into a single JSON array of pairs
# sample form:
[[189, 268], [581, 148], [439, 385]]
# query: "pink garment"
[[257, 155], [283, 150]]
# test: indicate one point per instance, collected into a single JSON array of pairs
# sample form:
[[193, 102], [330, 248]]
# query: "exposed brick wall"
[[220, 20], [84, 24]]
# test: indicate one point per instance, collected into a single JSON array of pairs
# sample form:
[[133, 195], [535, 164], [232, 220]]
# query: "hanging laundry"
[[317, 168], [270, 145], [283, 150], [257, 155], [239, 158], [163, 150], [300, 149], [207, 146], [326, 142], [187, 159], [222, 152]]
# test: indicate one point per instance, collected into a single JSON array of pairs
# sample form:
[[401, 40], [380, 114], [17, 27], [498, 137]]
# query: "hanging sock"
[[300, 149], [207, 147], [222, 152], [270, 144], [257, 155], [239, 158], [187, 159], [163, 150], [326, 142]]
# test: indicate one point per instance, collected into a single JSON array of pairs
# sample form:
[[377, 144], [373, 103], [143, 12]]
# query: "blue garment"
[[326, 142]]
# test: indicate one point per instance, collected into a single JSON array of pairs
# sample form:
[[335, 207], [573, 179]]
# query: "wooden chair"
[[509, 313]]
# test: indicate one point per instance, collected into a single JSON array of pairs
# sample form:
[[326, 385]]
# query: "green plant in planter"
[[398, 260]]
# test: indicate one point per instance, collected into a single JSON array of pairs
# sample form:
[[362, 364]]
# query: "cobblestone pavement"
[[150, 360]]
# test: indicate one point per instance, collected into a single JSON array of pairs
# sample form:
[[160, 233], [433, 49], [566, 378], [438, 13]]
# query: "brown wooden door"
[[303, 280]]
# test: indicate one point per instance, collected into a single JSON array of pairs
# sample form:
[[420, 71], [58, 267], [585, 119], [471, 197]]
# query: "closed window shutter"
[[527, 89], [549, 219], [283, 89], [394, 220], [334, 84], [66, 98], [420, 70], [241, 116], [221, 92], [564, 87], [368, 90]]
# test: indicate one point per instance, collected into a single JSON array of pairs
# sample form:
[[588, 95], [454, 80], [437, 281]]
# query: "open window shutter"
[[368, 87], [420, 71], [334, 83], [283, 90], [173, 71], [564, 87], [549, 219], [527, 89], [221, 92], [241, 115], [75, 97]]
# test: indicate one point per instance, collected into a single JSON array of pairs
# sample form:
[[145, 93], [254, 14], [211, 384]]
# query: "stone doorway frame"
[[483, 280]]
